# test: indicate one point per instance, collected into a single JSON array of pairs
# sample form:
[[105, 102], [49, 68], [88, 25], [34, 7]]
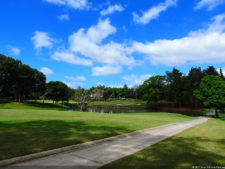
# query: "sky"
[[98, 42]]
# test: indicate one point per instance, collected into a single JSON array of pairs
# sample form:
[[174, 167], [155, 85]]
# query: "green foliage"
[[57, 91], [153, 88], [212, 91], [178, 89], [19, 81], [194, 78], [210, 71], [175, 86]]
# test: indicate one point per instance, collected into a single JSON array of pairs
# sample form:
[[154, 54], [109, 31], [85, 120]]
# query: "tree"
[[135, 92], [221, 74], [8, 76], [210, 71], [153, 88], [194, 78], [125, 92], [97, 92], [174, 86], [107, 93], [212, 92], [82, 96], [20, 81], [57, 91]]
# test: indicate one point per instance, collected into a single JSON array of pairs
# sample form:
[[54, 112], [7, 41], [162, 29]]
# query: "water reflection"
[[121, 109], [111, 110]]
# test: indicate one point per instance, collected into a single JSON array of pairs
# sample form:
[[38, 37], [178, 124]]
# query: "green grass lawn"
[[35, 105], [49, 105], [117, 102], [28, 131], [203, 145]]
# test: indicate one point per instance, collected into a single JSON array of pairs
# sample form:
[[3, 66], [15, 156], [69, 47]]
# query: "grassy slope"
[[203, 145], [34, 105], [28, 131]]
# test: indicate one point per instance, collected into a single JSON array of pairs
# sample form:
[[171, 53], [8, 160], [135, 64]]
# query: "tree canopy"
[[58, 91], [199, 87], [19, 81], [212, 92]]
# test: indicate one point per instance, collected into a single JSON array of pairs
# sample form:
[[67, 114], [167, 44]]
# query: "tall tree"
[[212, 92], [125, 92], [174, 86], [82, 96], [97, 92], [194, 78], [210, 71], [221, 74], [153, 88], [58, 91], [19, 81]]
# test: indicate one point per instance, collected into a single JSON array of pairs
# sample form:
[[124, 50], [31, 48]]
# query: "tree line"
[[19, 82], [196, 89], [206, 87]]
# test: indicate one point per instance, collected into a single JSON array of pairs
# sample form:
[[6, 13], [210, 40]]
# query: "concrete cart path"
[[92, 157]]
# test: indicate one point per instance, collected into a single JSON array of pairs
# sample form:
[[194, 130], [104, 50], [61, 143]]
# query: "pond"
[[137, 109]]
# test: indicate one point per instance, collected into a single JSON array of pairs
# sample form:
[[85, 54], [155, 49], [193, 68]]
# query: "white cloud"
[[14, 50], [64, 17], [97, 32], [153, 12], [75, 81], [70, 58], [217, 25], [76, 4], [89, 44], [41, 39], [209, 4], [112, 9], [201, 46], [106, 70], [76, 78], [132, 80], [87, 47], [46, 71], [116, 86], [73, 84]]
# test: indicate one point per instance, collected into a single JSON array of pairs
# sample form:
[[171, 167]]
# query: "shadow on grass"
[[57, 106], [21, 138], [175, 153], [4, 101], [36, 105]]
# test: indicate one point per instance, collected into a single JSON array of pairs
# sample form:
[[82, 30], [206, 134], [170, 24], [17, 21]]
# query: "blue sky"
[[91, 42]]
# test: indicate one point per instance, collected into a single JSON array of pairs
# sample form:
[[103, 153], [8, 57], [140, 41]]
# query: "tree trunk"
[[217, 113]]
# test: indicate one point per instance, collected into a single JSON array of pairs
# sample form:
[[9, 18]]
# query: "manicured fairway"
[[38, 105], [28, 131], [203, 145]]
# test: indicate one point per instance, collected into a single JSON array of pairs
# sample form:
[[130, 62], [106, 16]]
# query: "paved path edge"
[[24, 158]]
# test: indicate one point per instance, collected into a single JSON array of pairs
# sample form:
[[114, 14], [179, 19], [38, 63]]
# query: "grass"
[[117, 102], [49, 105], [222, 115], [203, 145], [35, 105], [29, 131]]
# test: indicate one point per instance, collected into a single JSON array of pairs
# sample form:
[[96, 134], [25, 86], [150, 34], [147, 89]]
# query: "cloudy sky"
[[91, 42]]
